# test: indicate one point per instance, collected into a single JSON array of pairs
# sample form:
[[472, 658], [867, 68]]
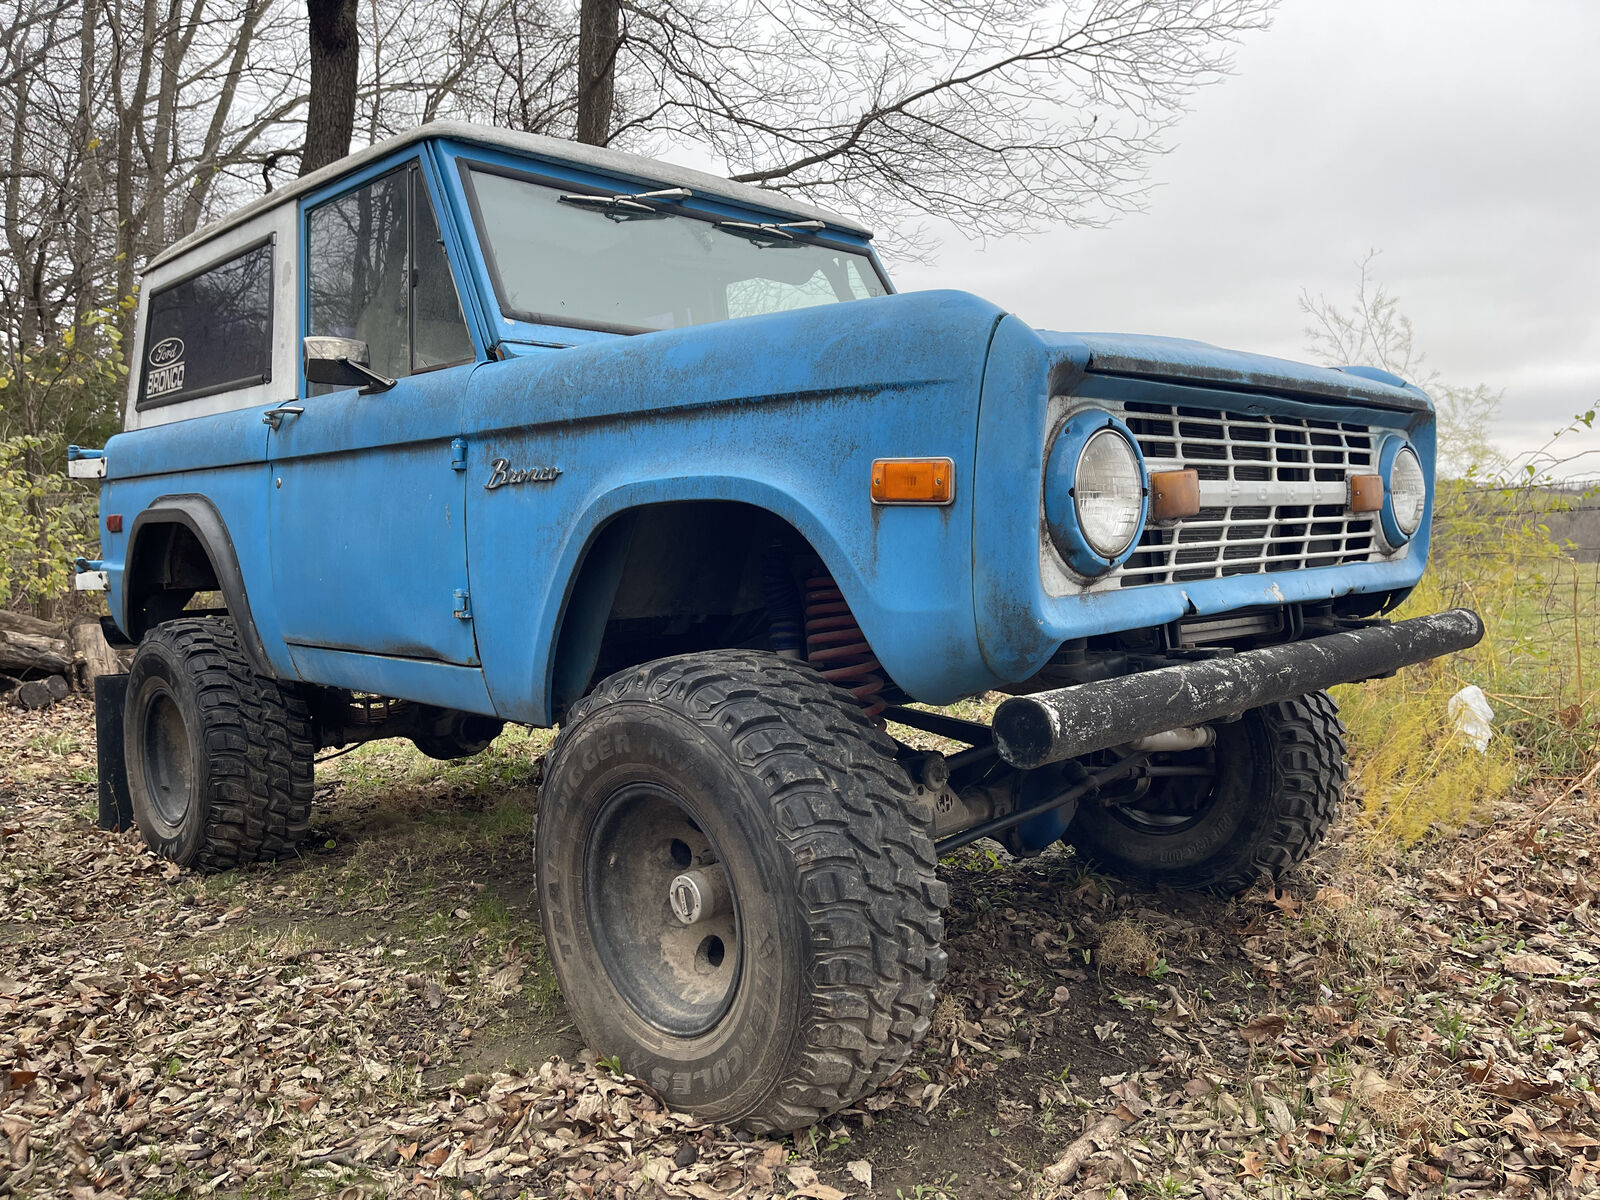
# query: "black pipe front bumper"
[[1047, 727]]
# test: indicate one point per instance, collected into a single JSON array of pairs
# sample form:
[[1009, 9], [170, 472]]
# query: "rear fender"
[[150, 565]]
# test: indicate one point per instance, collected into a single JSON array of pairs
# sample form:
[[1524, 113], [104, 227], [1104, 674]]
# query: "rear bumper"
[[1047, 727]]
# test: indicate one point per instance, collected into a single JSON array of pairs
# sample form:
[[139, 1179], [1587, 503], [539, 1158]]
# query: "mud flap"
[[110, 697]]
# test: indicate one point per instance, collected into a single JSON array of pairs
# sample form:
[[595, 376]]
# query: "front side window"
[[210, 332], [561, 257], [377, 272]]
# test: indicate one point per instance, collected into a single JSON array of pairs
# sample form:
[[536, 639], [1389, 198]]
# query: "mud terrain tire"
[[811, 973], [219, 758], [1280, 775]]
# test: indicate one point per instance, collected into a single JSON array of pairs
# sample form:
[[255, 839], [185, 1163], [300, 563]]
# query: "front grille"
[[1273, 490]]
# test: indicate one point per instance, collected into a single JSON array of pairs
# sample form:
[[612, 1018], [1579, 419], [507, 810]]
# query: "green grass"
[[379, 768]]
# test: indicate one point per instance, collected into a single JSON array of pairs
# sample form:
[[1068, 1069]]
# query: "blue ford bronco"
[[475, 427]]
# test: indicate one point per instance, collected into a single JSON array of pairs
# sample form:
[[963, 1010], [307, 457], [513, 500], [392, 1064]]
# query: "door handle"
[[275, 416]]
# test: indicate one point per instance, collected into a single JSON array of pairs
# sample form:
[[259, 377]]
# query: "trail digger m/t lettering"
[[665, 461]]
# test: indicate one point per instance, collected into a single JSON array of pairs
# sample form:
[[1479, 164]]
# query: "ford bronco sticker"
[[165, 375]]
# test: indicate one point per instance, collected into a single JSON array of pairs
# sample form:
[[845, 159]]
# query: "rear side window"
[[210, 332]]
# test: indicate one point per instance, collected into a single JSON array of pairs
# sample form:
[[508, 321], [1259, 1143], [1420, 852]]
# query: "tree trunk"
[[599, 38], [335, 55], [88, 642]]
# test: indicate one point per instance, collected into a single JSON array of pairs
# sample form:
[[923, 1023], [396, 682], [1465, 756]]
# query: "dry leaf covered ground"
[[377, 1018]]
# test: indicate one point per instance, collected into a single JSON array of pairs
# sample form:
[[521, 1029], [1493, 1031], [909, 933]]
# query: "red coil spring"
[[836, 646]]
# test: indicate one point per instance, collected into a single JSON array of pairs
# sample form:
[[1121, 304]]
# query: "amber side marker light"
[[913, 481], [1366, 493], [1174, 494]]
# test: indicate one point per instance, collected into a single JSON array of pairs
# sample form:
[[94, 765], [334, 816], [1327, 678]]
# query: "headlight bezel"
[[1061, 510], [1393, 533]]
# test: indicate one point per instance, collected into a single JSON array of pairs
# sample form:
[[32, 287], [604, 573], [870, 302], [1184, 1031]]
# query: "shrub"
[[1493, 552], [45, 519]]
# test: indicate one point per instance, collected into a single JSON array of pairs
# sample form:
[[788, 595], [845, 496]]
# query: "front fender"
[[785, 413], [908, 602]]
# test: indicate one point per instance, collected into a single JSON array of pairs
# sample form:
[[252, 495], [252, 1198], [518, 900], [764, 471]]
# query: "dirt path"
[[378, 1018]]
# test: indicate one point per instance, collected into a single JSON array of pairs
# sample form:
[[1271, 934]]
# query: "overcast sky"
[[1461, 138]]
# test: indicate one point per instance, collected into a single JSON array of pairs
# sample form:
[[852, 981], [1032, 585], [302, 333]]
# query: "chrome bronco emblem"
[[504, 473]]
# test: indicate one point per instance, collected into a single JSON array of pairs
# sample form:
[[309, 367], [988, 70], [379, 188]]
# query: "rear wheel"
[[1272, 788], [737, 888], [218, 758]]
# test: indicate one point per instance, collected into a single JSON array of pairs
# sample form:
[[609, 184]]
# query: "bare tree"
[[1372, 331], [123, 120], [1002, 115]]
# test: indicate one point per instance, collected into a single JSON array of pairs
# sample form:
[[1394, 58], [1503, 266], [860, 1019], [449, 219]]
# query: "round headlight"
[[1408, 491], [1108, 493]]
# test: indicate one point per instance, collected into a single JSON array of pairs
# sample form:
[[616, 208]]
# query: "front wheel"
[[1250, 807], [737, 888]]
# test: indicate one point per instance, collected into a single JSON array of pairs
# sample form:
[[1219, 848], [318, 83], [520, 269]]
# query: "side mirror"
[[342, 362]]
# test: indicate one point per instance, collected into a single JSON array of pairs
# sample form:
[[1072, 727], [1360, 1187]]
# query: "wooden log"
[[15, 622], [1080, 1150], [91, 654], [41, 693], [26, 652], [52, 645]]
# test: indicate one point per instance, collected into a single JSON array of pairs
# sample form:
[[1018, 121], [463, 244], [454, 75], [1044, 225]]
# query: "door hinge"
[[463, 610], [458, 454]]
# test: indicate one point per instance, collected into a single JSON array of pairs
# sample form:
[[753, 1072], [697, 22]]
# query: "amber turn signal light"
[[1174, 494], [913, 481], [1366, 493]]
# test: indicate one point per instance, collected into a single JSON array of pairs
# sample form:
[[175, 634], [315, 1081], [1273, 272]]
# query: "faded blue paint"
[[355, 526], [785, 412]]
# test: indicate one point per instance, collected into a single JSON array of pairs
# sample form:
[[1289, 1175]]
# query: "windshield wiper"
[[770, 233], [623, 205]]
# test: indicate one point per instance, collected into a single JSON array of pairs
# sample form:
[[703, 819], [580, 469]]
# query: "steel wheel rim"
[[679, 977], [168, 759]]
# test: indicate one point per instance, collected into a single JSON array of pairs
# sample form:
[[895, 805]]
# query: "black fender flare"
[[200, 517]]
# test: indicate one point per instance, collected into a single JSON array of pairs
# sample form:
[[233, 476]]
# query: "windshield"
[[595, 264]]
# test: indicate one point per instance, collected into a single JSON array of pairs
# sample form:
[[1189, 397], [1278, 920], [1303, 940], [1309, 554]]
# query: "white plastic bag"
[[1470, 716]]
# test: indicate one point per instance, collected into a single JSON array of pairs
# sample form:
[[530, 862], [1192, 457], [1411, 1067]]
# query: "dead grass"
[[1126, 947]]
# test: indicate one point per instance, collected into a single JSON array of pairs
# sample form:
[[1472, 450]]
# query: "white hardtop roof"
[[630, 167]]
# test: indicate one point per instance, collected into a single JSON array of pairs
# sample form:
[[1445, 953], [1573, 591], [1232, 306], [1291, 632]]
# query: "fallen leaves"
[[1258, 1031], [1532, 964], [1427, 1027]]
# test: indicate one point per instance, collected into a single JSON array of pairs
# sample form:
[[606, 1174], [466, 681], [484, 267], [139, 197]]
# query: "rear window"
[[210, 332]]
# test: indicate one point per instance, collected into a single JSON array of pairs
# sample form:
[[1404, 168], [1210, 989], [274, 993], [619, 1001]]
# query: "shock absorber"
[[836, 646]]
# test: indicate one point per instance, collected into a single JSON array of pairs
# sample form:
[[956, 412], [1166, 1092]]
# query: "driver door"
[[368, 542]]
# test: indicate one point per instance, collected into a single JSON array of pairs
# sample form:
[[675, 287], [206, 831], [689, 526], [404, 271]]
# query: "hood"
[[1185, 361]]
